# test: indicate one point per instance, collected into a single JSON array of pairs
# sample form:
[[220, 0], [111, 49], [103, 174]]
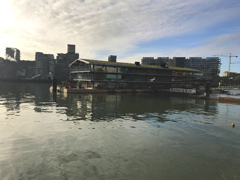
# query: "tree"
[[237, 79]]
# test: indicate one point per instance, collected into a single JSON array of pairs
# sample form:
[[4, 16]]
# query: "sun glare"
[[6, 14]]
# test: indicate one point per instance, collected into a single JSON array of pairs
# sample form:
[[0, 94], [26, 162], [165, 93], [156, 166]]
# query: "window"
[[111, 69], [113, 76], [99, 68]]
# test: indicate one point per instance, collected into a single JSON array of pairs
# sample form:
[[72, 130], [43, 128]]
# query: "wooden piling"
[[55, 85]]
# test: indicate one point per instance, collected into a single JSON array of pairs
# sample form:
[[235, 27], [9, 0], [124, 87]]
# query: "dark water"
[[115, 136]]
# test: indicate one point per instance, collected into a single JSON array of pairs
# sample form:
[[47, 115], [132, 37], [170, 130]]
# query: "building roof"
[[121, 64]]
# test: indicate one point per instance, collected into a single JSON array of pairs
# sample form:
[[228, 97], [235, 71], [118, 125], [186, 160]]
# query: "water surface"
[[115, 136]]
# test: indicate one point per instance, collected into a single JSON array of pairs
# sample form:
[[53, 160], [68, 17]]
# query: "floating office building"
[[100, 75]]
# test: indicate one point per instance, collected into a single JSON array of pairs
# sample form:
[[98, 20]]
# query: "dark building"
[[12, 54], [44, 65], [160, 61], [175, 62], [26, 69], [209, 67], [8, 69], [112, 58], [178, 62], [71, 48], [1, 59], [12, 68], [150, 61], [62, 72], [69, 57]]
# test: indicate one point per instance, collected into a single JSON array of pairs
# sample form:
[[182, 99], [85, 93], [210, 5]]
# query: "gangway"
[[36, 76], [226, 87]]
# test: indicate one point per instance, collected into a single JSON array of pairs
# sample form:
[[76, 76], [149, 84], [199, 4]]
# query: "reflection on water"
[[108, 107], [115, 136]]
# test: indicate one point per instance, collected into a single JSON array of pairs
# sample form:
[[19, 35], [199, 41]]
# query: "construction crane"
[[230, 56]]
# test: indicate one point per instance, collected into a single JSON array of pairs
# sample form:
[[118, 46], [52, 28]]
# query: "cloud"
[[219, 46], [107, 25], [215, 46], [9, 58]]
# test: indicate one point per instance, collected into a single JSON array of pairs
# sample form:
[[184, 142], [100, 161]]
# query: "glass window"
[[113, 76], [111, 69], [122, 69], [79, 76], [99, 68]]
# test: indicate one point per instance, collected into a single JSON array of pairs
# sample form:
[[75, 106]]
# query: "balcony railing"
[[80, 69], [82, 79]]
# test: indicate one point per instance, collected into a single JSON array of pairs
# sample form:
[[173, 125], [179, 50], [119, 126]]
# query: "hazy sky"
[[129, 29]]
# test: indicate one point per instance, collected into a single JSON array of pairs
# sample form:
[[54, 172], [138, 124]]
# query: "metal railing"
[[79, 69], [226, 87]]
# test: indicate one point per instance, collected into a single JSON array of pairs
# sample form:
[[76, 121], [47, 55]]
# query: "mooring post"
[[54, 85], [207, 89]]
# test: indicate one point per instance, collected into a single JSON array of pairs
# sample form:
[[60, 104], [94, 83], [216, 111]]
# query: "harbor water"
[[128, 136]]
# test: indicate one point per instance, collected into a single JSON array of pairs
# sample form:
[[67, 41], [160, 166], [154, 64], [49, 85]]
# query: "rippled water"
[[234, 92], [115, 136]]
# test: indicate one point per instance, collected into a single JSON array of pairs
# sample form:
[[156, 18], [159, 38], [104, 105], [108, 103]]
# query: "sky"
[[130, 29]]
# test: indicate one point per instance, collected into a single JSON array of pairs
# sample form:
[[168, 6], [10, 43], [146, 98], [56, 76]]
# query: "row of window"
[[123, 77], [128, 70], [111, 85]]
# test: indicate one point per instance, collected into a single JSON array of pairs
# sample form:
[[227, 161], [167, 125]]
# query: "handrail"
[[226, 87]]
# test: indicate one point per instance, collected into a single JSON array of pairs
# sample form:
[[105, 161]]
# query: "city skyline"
[[130, 30]]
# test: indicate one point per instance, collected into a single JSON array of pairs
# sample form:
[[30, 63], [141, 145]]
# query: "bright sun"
[[6, 25], [6, 14]]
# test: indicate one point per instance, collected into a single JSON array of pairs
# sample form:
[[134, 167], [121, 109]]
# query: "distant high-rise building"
[[149, 61], [161, 60], [62, 72], [26, 69], [69, 57], [158, 62], [178, 61], [71, 48], [8, 69], [209, 67], [12, 54], [43, 64], [112, 58]]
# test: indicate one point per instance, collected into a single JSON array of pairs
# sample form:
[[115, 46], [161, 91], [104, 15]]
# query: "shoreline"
[[222, 97], [212, 96]]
